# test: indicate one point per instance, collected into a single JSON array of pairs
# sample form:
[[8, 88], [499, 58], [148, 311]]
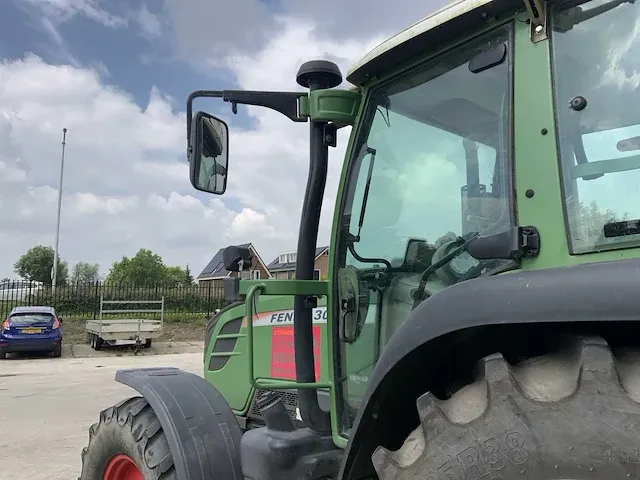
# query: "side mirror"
[[60, 320], [208, 153], [418, 255], [354, 304], [236, 258]]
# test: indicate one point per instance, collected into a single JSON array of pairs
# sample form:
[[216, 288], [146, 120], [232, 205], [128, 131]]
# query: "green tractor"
[[481, 316]]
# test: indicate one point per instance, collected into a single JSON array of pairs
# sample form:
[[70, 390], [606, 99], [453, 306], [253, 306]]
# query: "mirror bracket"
[[330, 135], [287, 103], [537, 12]]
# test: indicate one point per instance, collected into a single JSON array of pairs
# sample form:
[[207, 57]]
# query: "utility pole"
[[54, 270]]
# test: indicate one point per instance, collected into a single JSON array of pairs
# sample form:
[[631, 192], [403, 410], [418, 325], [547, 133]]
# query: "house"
[[214, 272], [284, 266]]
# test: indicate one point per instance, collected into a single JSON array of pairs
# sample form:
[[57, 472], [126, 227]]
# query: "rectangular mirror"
[[209, 153]]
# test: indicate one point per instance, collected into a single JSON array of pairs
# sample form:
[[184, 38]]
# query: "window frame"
[[562, 171], [359, 135]]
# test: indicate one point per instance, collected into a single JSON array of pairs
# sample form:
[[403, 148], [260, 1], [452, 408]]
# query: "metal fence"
[[83, 301]]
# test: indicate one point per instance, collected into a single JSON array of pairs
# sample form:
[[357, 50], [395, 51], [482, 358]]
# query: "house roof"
[[215, 268], [276, 266]]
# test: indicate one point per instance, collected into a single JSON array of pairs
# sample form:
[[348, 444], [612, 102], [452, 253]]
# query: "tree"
[[37, 265], [174, 276], [187, 274], [85, 272], [591, 222], [145, 268]]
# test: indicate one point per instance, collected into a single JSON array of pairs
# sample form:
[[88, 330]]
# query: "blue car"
[[31, 329]]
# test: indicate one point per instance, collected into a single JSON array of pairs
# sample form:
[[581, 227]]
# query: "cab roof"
[[429, 34]]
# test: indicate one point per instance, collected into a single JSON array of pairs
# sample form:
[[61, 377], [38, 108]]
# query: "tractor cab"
[[481, 309]]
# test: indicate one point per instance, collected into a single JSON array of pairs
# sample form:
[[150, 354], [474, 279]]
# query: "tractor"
[[481, 315]]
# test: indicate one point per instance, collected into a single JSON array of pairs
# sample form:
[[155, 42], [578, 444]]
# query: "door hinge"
[[537, 10], [529, 244]]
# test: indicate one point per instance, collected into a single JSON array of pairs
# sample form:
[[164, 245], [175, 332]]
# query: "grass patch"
[[176, 328]]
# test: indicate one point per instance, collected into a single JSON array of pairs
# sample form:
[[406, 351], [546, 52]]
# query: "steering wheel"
[[443, 256]]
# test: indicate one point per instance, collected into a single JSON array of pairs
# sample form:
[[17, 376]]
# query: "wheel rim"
[[122, 467]]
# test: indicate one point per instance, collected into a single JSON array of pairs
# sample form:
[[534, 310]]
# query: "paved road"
[[48, 404]]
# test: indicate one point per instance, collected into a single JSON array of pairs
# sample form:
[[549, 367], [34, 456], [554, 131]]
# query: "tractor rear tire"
[[129, 430], [573, 413]]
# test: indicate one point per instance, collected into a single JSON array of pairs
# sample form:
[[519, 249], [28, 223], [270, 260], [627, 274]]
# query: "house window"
[[291, 257], [316, 274], [291, 275], [255, 274], [282, 259], [245, 275]]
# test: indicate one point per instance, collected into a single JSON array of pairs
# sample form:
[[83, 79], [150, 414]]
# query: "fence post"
[[95, 304], [209, 298]]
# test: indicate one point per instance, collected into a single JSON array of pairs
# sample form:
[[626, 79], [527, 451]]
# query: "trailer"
[[128, 330]]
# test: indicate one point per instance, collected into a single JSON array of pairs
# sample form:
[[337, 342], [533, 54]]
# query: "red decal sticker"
[[283, 363]]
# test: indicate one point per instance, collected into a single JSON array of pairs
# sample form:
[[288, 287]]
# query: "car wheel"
[[57, 352], [3, 354]]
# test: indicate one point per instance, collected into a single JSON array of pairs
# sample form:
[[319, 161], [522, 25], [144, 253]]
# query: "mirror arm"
[[283, 102], [192, 96]]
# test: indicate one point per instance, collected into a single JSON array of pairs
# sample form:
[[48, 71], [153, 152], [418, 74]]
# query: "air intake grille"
[[289, 398]]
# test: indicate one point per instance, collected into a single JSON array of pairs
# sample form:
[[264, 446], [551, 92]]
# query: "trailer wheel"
[[574, 413], [147, 343], [127, 443], [98, 342]]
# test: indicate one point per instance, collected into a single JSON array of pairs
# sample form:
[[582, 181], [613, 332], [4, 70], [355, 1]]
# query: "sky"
[[116, 74]]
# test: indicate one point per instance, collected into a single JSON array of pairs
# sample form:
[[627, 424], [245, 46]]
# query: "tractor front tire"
[[573, 413], [128, 437]]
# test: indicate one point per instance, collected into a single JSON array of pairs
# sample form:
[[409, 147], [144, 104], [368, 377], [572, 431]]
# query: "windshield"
[[430, 169], [596, 61], [28, 319]]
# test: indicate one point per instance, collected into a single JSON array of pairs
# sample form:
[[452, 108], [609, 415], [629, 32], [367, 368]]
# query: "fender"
[[604, 291], [202, 431]]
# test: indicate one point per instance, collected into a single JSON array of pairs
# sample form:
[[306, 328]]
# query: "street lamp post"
[[54, 271]]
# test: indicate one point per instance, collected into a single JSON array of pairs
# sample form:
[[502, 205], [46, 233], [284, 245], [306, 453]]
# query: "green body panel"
[[232, 379], [331, 105], [338, 106]]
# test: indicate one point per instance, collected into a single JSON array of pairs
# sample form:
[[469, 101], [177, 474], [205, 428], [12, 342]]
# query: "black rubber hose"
[[310, 411]]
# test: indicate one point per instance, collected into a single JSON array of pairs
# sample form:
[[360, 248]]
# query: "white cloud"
[[62, 10], [126, 181], [149, 22]]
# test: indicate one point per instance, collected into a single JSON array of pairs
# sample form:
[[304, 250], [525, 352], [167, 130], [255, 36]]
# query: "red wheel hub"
[[121, 467]]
